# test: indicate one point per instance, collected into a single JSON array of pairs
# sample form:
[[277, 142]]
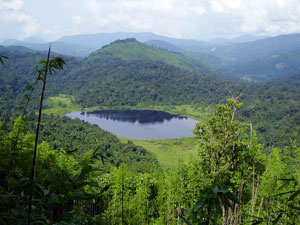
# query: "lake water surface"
[[139, 124]]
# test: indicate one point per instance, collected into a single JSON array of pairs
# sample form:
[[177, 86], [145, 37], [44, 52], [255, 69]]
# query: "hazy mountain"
[[10, 42], [255, 60], [58, 47], [164, 45], [250, 51], [250, 57], [20, 42], [202, 54], [219, 41], [96, 41], [240, 39], [247, 38], [270, 67], [34, 40]]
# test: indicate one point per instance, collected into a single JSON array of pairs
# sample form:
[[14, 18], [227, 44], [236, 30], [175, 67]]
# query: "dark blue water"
[[139, 124]]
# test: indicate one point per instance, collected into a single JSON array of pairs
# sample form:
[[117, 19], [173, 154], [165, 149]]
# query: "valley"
[[244, 148]]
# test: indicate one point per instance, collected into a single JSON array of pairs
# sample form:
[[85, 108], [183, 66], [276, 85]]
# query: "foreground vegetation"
[[170, 153], [77, 173], [229, 181]]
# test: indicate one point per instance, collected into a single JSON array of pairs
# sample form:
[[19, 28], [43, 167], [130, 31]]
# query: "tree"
[[1, 59], [50, 66], [229, 156]]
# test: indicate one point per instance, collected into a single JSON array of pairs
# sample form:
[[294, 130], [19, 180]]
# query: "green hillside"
[[270, 67], [105, 79], [261, 60], [119, 74], [132, 50]]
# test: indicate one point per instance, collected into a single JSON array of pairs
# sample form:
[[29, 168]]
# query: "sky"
[[189, 19]]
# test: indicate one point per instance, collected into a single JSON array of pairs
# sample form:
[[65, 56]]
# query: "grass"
[[62, 104], [169, 152]]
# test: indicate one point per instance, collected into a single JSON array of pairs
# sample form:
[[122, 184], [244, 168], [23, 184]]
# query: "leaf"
[[257, 222], [286, 181], [277, 219], [188, 210], [73, 180], [184, 220], [216, 190], [85, 171], [52, 199], [29, 87], [294, 207], [232, 197], [1, 59], [93, 184], [45, 191], [81, 195], [283, 193], [26, 97], [294, 195], [226, 170]]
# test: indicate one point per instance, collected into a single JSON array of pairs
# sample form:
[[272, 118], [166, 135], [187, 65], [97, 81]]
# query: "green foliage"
[[78, 137], [112, 81], [227, 156], [76, 188], [1, 59], [132, 50]]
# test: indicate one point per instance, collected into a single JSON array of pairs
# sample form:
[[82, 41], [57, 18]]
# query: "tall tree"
[[229, 157], [50, 66]]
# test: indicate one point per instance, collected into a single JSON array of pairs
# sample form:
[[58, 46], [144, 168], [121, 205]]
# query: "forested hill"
[[129, 73], [61, 133], [263, 59], [17, 73], [132, 50]]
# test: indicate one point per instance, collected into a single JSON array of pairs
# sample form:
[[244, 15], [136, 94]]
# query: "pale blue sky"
[[190, 19]]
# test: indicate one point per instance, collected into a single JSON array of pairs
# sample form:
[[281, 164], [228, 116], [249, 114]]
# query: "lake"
[[139, 124]]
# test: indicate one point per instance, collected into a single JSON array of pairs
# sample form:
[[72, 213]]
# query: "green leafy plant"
[[49, 66], [1, 59]]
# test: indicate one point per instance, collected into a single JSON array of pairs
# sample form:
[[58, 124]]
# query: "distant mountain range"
[[246, 57], [240, 39]]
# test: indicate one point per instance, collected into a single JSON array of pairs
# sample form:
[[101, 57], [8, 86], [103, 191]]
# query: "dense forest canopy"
[[117, 75]]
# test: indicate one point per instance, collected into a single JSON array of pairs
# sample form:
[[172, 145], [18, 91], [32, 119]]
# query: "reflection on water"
[[139, 124], [133, 116]]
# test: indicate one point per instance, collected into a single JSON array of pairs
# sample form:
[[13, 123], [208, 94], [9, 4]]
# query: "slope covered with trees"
[[258, 60], [126, 73], [85, 175], [230, 181]]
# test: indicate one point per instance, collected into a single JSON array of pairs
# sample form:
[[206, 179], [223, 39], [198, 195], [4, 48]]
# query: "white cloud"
[[169, 17], [200, 19], [11, 5], [269, 17], [77, 20], [11, 12]]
